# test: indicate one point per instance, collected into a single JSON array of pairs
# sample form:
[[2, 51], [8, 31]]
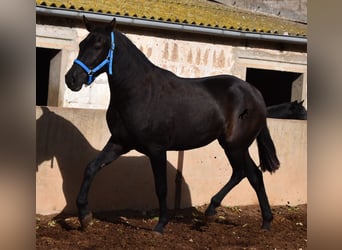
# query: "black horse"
[[288, 110], [152, 110]]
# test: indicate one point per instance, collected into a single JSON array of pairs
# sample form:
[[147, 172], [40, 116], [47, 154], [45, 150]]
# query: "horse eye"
[[98, 45]]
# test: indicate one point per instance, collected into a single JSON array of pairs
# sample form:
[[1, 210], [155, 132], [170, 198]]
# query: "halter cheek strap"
[[108, 60]]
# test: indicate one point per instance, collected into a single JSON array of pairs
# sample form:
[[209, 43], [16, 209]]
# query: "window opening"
[[43, 59], [276, 86]]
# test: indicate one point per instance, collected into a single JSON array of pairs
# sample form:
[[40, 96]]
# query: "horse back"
[[234, 94]]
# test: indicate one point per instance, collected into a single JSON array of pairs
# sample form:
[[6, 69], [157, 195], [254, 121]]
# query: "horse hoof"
[[209, 218], [158, 229], [210, 213], [85, 221], [266, 225]]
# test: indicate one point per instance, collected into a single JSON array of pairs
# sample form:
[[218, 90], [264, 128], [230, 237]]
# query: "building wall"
[[182, 55], [67, 139]]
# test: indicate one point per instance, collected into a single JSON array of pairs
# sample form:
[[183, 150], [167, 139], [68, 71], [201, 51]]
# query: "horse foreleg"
[[158, 162], [109, 153]]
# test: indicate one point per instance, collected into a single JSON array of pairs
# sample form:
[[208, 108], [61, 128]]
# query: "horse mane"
[[132, 47]]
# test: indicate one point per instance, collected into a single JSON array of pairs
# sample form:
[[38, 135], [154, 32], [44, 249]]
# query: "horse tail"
[[267, 152]]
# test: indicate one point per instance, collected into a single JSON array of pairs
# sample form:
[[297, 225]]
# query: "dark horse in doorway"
[[152, 110], [288, 110]]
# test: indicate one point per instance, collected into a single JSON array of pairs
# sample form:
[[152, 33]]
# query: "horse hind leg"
[[237, 175], [255, 178], [235, 158], [243, 166], [109, 153]]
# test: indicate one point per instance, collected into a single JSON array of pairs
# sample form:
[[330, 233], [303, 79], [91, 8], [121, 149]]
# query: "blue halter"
[[108, 60]]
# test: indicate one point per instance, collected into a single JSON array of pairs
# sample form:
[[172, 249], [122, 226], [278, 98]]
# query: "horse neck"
[[130, 64]]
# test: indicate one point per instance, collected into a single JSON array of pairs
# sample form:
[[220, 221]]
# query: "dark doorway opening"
[[275, 86], [43, 58]]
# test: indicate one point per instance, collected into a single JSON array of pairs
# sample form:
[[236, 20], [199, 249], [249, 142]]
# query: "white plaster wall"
[[67, 139]]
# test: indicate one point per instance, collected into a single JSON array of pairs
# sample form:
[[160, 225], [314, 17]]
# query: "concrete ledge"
[[67, 139]]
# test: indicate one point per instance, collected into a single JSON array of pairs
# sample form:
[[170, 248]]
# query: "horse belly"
[[193, 132], [191, 141]]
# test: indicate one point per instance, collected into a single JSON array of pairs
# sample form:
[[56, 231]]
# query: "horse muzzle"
[[74, 80]]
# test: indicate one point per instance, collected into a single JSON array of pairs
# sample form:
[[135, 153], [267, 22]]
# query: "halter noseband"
[[108, 60]]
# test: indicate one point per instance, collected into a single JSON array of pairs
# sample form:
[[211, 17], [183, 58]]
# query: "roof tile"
[[195, 12]]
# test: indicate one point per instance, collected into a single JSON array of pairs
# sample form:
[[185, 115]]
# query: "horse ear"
[[293, 104], [88, 24], [111, 25], [301, 103], [45, 110]]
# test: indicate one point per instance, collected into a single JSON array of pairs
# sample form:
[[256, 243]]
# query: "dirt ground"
[[232, 228]]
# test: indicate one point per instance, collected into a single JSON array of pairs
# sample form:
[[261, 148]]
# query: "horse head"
[[298, 110], [95, 55], [287, 110]]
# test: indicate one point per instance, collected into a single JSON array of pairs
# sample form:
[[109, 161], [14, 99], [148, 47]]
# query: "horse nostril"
[[69, 79], [72, 81]]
